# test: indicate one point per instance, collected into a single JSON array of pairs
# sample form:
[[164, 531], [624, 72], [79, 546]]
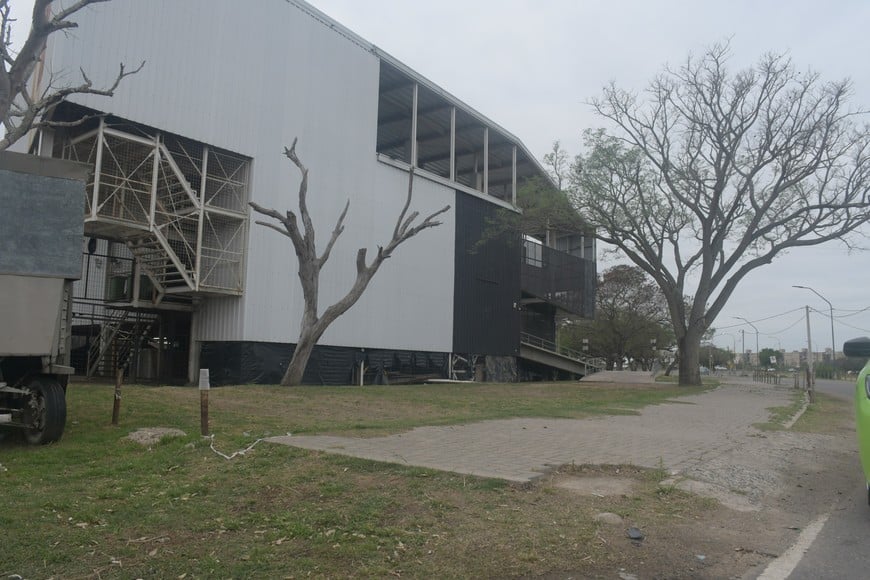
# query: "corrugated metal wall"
[[250, 79], [487, 286]]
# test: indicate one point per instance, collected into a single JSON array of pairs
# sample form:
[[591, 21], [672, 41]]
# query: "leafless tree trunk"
[[719, 173], [314, 324], [21, 106]]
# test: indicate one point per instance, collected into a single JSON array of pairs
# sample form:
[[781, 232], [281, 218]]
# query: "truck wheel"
[[46, 411]]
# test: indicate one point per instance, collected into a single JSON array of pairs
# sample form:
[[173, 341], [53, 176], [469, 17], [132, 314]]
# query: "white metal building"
[[200, 131]]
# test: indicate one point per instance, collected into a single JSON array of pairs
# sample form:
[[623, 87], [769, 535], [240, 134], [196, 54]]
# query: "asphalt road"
[[842, 389], [839, 551]]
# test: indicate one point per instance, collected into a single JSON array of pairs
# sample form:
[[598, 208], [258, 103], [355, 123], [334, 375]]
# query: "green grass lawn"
[[98, 505]]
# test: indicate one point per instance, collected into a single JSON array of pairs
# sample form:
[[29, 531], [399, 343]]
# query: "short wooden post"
[[116, 404], [203, 401]]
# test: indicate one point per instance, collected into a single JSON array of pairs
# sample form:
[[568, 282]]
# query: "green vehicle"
[[860, 347]]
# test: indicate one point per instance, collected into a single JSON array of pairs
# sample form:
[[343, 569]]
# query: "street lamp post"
[[831, 307], [811, 375], [757, 357]]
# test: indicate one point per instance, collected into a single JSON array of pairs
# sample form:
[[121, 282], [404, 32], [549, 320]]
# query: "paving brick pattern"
[[679, 436]]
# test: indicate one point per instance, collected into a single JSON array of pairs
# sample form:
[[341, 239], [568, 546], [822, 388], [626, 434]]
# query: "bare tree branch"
[[407, 203], [288, 221], [20, 107], [337, 231], [308, 233]]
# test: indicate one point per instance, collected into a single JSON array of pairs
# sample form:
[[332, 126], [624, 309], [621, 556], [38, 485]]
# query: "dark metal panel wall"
[[234, 363], [560, 278], [487, 283], [540, 320]]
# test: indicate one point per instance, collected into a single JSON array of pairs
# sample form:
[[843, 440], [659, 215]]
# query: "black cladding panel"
[[487, 282]]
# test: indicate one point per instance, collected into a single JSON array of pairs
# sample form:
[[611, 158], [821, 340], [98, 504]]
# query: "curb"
[[788, 424]]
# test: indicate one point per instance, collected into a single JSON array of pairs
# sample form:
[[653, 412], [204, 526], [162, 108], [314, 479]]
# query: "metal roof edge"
[[341, 29]]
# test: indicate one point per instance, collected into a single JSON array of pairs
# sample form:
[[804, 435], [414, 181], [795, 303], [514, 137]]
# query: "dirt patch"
[[598, 486], [727, 498], [147, 436]]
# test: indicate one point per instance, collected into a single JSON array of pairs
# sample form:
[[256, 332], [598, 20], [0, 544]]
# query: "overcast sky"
[[530, 66]]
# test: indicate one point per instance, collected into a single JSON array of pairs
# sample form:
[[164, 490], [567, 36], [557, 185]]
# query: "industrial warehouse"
[[176, 275]]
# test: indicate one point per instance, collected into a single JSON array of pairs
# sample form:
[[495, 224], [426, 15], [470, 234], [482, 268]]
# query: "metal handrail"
[[548, 345]]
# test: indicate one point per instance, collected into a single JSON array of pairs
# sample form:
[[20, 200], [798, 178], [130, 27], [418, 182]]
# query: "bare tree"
[[631, 319], [310, 263], [719, 173], [22, 106], [558, 164]]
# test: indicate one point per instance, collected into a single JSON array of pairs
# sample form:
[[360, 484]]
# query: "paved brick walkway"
[[678, 435]]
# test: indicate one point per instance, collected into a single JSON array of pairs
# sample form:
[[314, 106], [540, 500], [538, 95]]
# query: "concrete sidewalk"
[[680, 436]]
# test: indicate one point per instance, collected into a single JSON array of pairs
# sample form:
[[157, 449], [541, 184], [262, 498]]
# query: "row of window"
[[424, 129]]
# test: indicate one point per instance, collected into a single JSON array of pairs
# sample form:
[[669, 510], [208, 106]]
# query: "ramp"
[[545, 352]]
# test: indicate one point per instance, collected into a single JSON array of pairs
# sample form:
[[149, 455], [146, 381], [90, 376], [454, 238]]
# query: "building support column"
[[486, 160], [514, 175], [201, 220], [155, 174], [414, 104], [98, 168], [452, 143], [193, 347]]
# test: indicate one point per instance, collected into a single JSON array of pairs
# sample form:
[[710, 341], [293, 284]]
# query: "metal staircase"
[[121, 334], [161, 264]]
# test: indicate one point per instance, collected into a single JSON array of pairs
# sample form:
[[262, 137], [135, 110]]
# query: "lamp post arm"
[[831, 308]]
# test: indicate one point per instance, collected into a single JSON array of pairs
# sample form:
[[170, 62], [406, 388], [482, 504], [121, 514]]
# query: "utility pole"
[[831, 310], [755, 328], [811, 379]]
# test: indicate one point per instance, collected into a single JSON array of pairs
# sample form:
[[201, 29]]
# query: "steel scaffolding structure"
[[180, 206]]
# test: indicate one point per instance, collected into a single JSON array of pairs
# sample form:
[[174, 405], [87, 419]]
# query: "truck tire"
[[46, 414]]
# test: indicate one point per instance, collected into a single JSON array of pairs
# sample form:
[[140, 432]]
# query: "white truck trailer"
[[41, 232]]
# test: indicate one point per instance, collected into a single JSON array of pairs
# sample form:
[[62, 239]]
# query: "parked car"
[[860, 347]]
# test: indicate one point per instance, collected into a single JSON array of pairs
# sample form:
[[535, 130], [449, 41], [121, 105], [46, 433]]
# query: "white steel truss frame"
[[139, 188]]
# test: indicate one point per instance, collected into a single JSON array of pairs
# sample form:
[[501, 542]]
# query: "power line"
[[853, 326], [790, 326], [771, 317], [851, 312]]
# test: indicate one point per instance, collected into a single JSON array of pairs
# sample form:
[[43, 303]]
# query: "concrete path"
[[679, 436]]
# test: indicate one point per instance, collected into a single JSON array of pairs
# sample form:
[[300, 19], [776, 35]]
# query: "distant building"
[[797, 358], [177, 277]]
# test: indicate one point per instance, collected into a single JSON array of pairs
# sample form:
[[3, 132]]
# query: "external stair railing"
[[594, 364]]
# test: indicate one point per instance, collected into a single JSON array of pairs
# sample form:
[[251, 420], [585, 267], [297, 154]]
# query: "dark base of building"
[[237, 363], [233, 363]]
